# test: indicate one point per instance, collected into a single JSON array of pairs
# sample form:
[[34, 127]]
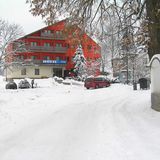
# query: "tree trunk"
[[153, 15]]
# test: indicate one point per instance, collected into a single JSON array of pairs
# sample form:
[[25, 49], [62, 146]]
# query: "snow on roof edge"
[[156, 56]]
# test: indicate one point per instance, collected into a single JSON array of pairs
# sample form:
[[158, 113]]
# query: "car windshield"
[[99, 79], [89, 80], [24, 82]]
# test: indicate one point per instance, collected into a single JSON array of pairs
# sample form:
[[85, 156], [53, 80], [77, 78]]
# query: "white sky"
[[17, 11]]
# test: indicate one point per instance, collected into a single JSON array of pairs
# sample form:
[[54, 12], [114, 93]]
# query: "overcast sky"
[[17, 11]]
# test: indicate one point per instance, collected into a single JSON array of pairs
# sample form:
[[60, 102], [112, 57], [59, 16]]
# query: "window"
[[57, 33], [46, 58], [33, 57], [23, 71], [36, 71], [57, 58], [47, 44], [33, 43], [60, 33], [58, 45], [47, 31]]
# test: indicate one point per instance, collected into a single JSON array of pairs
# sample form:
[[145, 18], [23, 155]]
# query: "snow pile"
[[70, 81]]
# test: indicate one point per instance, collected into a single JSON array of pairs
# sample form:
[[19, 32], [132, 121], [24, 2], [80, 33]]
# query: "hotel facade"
[[49, 51]]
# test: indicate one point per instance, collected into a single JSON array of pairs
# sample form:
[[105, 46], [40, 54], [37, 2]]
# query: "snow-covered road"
[[58, 122]]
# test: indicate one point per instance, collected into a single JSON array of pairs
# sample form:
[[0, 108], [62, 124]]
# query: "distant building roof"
[[156, 56]]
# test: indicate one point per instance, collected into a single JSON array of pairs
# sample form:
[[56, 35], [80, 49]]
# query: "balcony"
[[43, 34], [47, 49], [44, 62], [52, 36]]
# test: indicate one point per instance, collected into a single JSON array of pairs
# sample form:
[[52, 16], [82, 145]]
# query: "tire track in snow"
[[133, 137], [72, 122], [93, 129]]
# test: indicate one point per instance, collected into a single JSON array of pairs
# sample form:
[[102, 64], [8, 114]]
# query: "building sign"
[[54, 62]]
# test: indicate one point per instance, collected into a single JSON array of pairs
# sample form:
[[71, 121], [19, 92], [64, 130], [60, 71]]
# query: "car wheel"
[[96, 86]]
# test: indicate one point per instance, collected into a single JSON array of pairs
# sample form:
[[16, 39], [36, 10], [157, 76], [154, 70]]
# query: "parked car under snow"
[[24, 84], [11, 85]]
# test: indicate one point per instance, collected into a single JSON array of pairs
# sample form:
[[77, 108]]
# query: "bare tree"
[[110, 42], [92, 67], [84, 12], [8, 34], [9, 45]]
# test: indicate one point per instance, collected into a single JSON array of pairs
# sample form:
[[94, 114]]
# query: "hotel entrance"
[[57, 72]]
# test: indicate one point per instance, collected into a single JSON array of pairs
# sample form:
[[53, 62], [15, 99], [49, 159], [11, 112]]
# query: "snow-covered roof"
[[156, 56]]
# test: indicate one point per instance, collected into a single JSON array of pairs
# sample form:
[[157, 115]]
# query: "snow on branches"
[[8, 34]]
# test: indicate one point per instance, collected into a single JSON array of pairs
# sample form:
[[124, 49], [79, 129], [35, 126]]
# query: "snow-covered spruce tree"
[[80, 62]]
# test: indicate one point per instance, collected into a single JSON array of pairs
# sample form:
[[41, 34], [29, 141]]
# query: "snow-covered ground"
[[69, 122]]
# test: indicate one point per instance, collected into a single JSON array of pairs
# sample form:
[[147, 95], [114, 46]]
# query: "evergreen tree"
[[80, 62]]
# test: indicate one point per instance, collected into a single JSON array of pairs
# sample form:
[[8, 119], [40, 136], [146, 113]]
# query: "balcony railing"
[[47, 49], [47, 34], [41, 62], [52, 36]]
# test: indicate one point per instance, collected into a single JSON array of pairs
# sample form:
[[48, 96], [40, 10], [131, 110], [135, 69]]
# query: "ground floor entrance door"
[[57, 72]]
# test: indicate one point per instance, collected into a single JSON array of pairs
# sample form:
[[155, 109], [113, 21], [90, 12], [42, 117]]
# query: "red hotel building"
[[49, 52]]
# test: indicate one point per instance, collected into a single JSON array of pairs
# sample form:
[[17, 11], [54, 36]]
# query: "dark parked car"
[[11, 85], [97, 82], [144, 83], [24, 84]]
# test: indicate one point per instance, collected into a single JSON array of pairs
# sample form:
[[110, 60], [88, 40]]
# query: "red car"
[[97, 82]]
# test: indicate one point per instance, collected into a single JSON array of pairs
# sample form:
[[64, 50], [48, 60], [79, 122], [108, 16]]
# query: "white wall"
[[155, 82], [155, 76], [45, 71]]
